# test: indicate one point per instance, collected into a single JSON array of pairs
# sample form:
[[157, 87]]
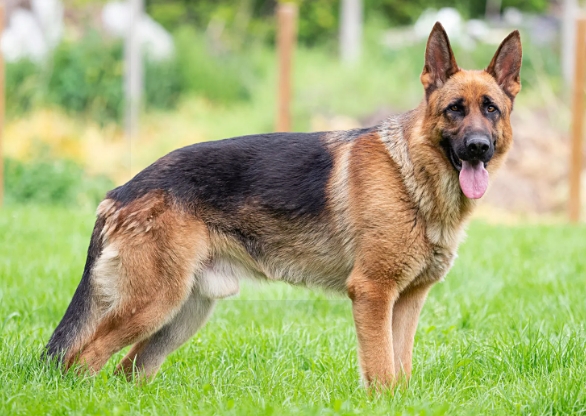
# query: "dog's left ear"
[[506, 64], [440, 63]]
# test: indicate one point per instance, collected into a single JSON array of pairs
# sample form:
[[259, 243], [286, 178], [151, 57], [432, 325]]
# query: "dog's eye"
[[455, 108], [491, 108]]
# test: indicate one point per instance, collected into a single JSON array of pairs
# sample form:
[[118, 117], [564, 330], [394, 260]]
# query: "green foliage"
[[318, 19], [53, 182], [24, 87], [534, 6], [219, 77], [162, 85], [83, 77], [87, 77], [172, 13], [405, 12]]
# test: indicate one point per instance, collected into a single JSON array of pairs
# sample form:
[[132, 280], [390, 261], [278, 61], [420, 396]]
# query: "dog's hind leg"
[[143, 277], [147, 356], [81, 314], [136, 323]]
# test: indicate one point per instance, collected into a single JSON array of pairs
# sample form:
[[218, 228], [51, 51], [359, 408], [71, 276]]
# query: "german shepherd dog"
[[376, 213]]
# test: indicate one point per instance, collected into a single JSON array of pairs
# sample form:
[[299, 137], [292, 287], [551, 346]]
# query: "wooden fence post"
[[577, 121], [350, 30], [2, 108], [286, 36], [133, 82]]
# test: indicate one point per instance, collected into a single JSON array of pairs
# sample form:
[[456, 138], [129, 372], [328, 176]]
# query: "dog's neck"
[[436, 192]]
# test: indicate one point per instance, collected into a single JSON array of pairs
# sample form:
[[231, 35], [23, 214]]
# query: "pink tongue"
[[473, 179]]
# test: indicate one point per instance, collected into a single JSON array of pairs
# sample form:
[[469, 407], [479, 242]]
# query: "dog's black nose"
[[477, 146]]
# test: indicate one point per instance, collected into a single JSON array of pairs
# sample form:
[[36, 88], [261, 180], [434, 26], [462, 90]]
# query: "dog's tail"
[[77, 318]]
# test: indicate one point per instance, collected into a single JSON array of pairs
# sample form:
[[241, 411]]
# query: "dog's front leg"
[[372, 307], [405, 318]]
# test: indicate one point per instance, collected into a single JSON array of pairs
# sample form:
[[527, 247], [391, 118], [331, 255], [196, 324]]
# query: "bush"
[[218, 77], [24, 87], [163, 86], [318, 19], [53, 182], [87, 76]]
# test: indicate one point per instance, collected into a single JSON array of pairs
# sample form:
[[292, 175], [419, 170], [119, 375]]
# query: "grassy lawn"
[[503, 335]]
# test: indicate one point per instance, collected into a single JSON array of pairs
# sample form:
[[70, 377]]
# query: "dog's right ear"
[[440, 63]]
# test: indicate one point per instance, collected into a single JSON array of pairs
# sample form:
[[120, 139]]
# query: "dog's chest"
[[443, 245]]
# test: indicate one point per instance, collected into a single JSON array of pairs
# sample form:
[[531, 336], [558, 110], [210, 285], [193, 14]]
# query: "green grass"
[[503, 335]]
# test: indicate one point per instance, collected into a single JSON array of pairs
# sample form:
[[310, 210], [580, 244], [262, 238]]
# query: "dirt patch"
[[534, 178]]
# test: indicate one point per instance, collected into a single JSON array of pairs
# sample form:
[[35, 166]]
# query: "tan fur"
[[405, 317], [146, 356], [372, 307], [146, 271], [390, 229]]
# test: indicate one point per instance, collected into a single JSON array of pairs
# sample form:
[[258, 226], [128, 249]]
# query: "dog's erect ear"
[[440, 63], [506, 64]]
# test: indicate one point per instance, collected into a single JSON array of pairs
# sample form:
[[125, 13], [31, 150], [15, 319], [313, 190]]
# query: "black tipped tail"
[[76, 318]]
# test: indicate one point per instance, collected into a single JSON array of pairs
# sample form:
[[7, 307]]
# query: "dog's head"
[[469, 111]]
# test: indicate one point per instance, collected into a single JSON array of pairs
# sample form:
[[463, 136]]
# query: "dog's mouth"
[[451, 154], [472, 173]]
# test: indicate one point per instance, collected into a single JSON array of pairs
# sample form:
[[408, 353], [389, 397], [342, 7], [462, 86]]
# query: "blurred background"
[[208, 70]]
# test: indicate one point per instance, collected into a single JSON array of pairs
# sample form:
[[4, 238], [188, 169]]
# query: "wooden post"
[[577, 120], [133, 74], [493, 10], [570, 9], [2, 108], [286, 34], [350, 30]]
